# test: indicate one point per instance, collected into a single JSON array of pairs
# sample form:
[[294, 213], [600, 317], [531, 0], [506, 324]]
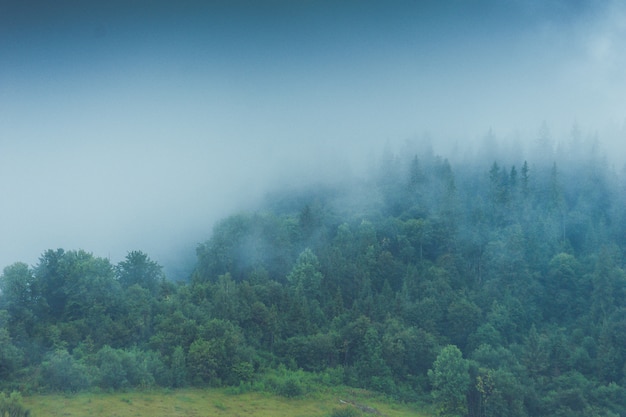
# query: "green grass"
[[207, 402]]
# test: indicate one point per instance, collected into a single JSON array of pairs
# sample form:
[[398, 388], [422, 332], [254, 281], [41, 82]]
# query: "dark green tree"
[[11, 357], [179, 368], [138, 269], [19, 296]]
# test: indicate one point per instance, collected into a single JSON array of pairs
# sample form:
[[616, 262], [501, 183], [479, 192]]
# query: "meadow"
[[212, 402]]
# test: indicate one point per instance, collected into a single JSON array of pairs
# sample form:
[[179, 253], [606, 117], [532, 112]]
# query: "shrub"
[[137, 365], [290, 388], [112, 370], [123, 368], [333, 377], [244, 371], [60, 371], [11, 405]]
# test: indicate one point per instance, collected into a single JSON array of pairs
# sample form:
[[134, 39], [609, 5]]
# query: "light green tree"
[[305, 275], [450, 380]]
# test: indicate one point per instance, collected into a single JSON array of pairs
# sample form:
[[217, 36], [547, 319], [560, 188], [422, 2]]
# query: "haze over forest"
[[137, 127]]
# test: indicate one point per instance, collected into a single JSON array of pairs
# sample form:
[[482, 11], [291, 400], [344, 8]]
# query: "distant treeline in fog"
[[490, 288]]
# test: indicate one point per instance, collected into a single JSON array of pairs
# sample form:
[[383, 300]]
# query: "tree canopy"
[[486, 287]]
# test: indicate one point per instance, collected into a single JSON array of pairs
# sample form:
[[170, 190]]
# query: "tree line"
[[487, 288]]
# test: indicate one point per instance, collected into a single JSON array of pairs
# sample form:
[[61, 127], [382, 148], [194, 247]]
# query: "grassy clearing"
[[206, 402]]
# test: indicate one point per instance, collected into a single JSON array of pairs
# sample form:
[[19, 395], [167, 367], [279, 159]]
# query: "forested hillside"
[[490, 287]]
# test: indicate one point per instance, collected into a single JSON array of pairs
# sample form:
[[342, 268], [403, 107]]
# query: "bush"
[[332, 377], [60, 371], [244, 371], [159, 373], [112, 370], [287, 383], [290, 387], [11, 405], [121, 368]]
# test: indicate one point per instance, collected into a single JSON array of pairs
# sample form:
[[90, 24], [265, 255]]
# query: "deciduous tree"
[[450, 380]]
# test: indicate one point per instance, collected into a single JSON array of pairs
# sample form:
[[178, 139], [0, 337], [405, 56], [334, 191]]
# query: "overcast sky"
[[136, 125]]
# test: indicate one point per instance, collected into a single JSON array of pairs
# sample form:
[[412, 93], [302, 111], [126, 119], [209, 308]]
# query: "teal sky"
[[135, 125]]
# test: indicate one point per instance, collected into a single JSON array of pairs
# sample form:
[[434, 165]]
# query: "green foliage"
[[386, 284], [139, 269], [202, 362], [462, 317], [290, 387], [305, 276], [123, 368], [61, 372], [312, 353], [450, 380], [501, 393], [372, 371], [11, 405], [112, 373], [243, 243], [243, 371], [19, 299], [179, 368], [287, 383], [10, 356]]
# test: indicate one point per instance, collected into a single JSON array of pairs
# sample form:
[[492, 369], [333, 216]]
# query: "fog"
[[137, 127]]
